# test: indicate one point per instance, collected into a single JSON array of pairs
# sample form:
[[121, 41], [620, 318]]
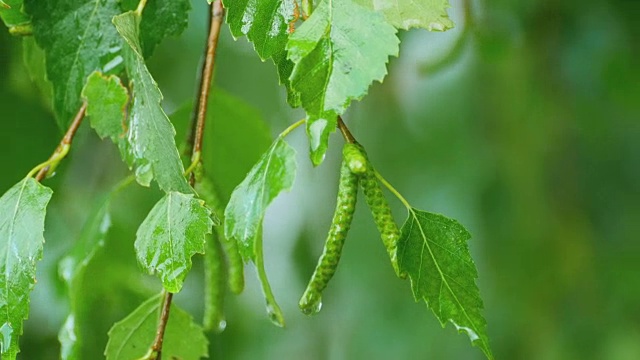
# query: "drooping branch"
[[195, 139], [199, 116]]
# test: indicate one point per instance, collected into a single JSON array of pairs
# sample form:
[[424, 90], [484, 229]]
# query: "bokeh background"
[[523, 123]]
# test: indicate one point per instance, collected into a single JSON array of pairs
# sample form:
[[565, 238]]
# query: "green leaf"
[[12, 13], [107, 101], [433, 251], [285, 68], [338, 52], [406, 14], [272, 174], [234, 130], [172, 233], [78, 38], [151, 134], [266, 25], [22, 213], [160, 19], [106, 105], [72, 268], [132, 337]]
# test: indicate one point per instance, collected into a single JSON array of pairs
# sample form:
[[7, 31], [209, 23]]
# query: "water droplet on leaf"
[[221, 326], [311, 305], [316, 131], [275, 316], [315, 307]]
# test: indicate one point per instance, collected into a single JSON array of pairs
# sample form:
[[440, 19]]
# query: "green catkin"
[[207, 191], [311, 300], [355, 158], [381, 212], [235, 264], [214, 286]]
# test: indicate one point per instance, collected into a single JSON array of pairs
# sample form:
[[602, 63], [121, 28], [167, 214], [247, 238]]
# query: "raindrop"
[[311, 302], [275, 316], [66, 268], [222, 324], [473, 336], [113, 64], [313, 307], [316, 130]]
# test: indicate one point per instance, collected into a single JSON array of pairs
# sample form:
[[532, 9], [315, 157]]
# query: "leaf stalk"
[[394, 191], [291, 128], [63, 148]]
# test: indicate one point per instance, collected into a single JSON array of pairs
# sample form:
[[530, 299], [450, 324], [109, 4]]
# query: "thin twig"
[[291, 127], [348, 137], [199, 118], [195, 140], [217, 13], [66, 140], [164, 318]]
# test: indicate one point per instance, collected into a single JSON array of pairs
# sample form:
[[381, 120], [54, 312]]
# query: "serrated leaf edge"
[[417, 297]]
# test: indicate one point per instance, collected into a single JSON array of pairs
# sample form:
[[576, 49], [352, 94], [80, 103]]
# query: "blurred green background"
[[523, 123]]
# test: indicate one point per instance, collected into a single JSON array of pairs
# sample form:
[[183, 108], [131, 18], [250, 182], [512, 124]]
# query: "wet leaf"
[[338, 52], [132, 337], [160, 19], [266, 25], [106, 105], [107, 100], [150, 132], [433, 251], [22, 213], [172, 233], [78, 38], [272, 174], [405, 14]]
